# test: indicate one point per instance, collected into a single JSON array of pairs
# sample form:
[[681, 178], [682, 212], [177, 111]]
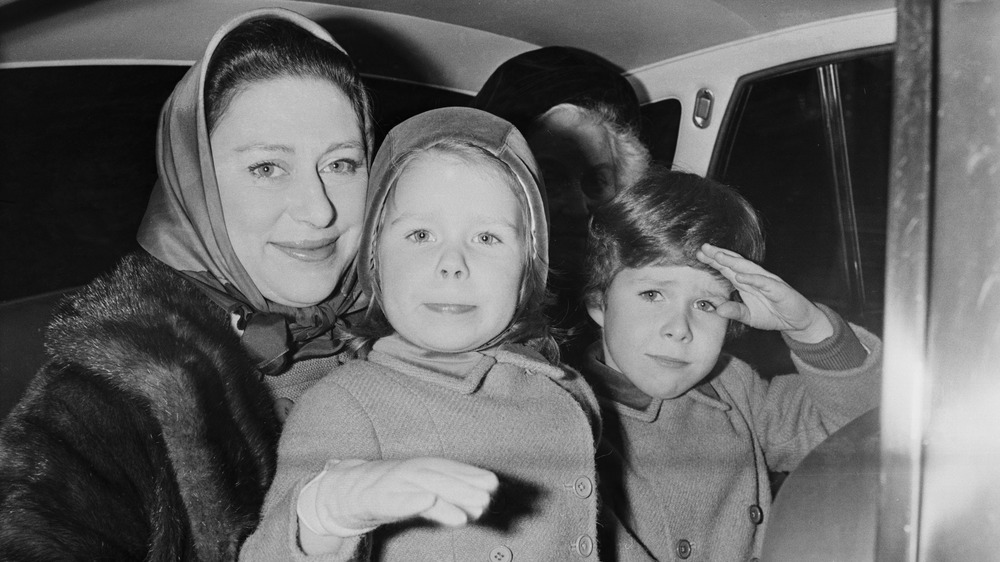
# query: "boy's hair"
[[529, 325], [663, 219]]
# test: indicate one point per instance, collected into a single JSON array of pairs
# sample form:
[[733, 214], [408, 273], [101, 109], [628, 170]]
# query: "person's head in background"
[[581, 119]]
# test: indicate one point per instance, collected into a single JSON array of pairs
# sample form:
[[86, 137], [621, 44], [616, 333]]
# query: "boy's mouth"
[[667, 361], [449, 308]]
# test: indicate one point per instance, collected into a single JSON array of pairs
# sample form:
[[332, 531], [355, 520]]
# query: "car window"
[[809, 147], [660, 123], [78, 143]]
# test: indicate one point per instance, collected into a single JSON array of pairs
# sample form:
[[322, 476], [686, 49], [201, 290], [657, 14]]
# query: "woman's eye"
[[704, 306], [487, 238], [651, 296], [345, 166], [419, 236], [265, 170]]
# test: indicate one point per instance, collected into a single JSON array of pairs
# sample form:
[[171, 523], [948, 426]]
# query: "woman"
[[581, 119], [149, 434]]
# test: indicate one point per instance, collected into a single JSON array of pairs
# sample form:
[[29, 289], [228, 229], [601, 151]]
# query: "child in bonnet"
[[456, 438]]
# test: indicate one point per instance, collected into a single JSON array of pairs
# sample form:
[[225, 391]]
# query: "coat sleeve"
[[791, 414], [327, 423]]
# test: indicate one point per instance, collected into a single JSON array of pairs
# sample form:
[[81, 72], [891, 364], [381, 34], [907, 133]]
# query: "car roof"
[[413, 40]]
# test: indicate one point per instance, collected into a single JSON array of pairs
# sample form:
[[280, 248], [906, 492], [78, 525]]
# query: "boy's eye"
[[419, 236], [704, 306], [651, 296], [487, 238], [265, 170]]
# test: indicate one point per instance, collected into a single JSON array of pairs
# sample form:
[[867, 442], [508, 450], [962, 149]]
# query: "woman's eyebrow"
[[278, 147], [352, 144], [265, 147]]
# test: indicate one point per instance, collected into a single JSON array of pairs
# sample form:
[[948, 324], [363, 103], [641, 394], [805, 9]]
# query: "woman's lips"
[[449, 308], [308, 250]]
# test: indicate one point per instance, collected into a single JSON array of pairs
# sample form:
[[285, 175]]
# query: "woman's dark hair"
[[269, 48], [663, 219], [529, 325]]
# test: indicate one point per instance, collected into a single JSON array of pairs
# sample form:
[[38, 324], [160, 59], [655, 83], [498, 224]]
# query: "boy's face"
[[450, 254], [660, 328]]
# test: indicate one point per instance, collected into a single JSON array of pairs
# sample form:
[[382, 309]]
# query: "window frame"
[[827, 70]]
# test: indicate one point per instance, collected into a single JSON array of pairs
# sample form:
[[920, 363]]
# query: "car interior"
[[872, 166]]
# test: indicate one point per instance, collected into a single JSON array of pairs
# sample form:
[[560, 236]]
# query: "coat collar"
[[600, 375], [464, 374]]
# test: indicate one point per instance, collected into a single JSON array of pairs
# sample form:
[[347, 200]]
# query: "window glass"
[[660, 122], [775, 149], [866, 94], [78, 143], [779, 160]]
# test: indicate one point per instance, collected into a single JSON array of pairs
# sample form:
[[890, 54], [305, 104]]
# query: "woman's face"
[[290, 163]]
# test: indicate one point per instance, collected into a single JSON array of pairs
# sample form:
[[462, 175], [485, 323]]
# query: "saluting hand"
[[768, 303]]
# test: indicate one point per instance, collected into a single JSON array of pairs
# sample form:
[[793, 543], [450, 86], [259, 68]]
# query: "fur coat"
[[147, 436]]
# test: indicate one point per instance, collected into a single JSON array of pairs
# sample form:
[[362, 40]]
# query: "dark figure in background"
[[581, 119], [151, 434]]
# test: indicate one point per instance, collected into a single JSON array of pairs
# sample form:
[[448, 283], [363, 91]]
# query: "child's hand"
[[355, 495], [768, 302]]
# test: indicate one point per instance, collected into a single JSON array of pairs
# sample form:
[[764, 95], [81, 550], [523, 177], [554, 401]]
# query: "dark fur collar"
[[148, 434]]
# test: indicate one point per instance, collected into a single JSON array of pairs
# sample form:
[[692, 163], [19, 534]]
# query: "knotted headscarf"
[[184, 227]]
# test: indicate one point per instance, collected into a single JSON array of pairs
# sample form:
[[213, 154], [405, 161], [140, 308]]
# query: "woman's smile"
[[308, 250]]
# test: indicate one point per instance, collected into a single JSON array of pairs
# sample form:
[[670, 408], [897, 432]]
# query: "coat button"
[[584, 546], [756, 514], [501, 554], [683, 549], [583, 487]]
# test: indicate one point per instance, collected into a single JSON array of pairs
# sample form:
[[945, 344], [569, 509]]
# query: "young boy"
[[690, 432]]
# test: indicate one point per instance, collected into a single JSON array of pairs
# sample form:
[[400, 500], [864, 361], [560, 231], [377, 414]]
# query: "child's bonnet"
[[462, 125]]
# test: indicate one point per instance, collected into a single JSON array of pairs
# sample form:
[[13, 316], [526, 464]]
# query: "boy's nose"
[[676, 327]]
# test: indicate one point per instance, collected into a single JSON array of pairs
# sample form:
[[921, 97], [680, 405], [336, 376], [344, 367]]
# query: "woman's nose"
[[452, 264], [311, 203]]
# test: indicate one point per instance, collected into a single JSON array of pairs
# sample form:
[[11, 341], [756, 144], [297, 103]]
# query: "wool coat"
[[531, 423], [689, 477], [148, 435]]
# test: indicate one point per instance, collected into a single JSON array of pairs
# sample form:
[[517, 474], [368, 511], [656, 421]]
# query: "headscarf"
[[184, 226], [527, 85], [465, 125]]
